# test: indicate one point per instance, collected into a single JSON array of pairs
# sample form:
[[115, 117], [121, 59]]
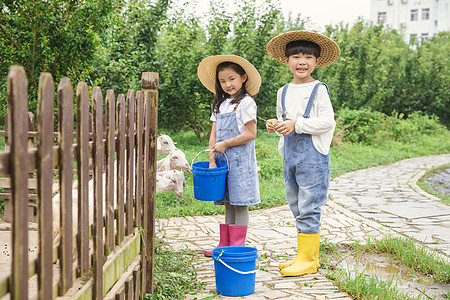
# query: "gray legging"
[[236, 214]]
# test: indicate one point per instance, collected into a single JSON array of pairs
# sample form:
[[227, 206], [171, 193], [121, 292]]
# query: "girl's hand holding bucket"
[[220, 147]]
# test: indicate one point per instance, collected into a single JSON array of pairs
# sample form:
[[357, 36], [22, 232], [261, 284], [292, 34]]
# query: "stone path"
[[370, 202], [390, 196]]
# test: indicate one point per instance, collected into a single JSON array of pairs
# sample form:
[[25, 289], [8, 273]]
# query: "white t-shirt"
[[320, 124], [246, 111]]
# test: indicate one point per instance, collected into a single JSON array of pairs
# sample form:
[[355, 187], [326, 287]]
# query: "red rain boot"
[[224, 239], [237, 235]]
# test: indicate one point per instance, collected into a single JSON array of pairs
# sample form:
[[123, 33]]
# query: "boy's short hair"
[[304, 47]]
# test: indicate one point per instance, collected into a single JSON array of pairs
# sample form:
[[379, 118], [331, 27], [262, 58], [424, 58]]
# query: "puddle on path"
[[406, 280], [440, 182]]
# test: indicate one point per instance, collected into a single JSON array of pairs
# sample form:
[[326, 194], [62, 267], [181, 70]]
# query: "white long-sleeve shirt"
[[320, 123]]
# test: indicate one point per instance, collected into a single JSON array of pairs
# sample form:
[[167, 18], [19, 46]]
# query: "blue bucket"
[[235, 269], [209, 184]]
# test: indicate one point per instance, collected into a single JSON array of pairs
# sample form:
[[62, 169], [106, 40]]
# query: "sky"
[[320, 12], [324, 12]]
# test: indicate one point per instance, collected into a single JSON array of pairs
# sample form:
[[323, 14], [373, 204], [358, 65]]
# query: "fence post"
[[65, 125], [17, 100], [149, 84], [45, 124], [98, 261]]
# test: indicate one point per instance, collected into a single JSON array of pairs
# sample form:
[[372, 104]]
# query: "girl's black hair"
[[304, 47], [220, 93]]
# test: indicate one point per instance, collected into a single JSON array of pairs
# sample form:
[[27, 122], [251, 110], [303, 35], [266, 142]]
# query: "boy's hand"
[[212, 165], [270, 125], [285, 127]]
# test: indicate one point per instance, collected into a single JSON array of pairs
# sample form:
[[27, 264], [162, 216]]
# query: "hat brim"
[[207, 72], [329, 50]]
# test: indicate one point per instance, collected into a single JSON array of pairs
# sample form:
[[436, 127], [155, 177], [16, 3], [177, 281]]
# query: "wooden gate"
[[109, 253]]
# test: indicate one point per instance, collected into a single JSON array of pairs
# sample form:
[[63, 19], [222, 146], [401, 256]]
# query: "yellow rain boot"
[[305, 260], [282, 266]]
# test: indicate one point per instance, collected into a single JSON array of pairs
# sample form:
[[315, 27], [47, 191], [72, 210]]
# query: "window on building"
[[425, 13], [414, 14], [381, 17], [424, 37]]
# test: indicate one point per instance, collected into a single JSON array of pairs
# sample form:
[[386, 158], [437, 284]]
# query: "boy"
[[305, 119]]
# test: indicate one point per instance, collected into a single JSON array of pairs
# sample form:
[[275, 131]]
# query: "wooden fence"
[[110, 252]]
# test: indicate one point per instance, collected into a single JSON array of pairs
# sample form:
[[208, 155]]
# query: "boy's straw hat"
[[329, 50], [207, 72]]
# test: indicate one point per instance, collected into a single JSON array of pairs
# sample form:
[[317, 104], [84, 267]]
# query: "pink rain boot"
[[224, 239], [237, 235]]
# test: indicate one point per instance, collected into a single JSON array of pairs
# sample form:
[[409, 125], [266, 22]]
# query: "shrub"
[[371, 127], [359, 126]]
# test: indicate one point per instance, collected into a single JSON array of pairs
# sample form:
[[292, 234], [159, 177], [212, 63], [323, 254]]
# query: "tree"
[[58, 36], [429, 73], [180, 48], [129, 44], [378, 70]]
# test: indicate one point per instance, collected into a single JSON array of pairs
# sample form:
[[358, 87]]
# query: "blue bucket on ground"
[[235, 269], [209, 184]]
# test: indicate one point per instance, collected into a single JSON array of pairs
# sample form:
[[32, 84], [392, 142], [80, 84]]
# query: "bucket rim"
[[208, 150], [197, 165], [241, 251]]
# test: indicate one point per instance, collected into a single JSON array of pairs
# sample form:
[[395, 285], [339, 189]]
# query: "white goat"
[[164, 145], [163, 184], [177, 177], [175, 160]]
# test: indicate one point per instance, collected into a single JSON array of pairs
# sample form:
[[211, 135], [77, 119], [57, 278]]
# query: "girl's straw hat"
[[329, 50], [207, 72]]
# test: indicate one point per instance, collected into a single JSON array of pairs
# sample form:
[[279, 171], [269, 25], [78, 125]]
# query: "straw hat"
[[329, 50], [207, 72]]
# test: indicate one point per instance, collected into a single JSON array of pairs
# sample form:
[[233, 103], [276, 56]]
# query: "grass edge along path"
[[424, 185], [404, 251]]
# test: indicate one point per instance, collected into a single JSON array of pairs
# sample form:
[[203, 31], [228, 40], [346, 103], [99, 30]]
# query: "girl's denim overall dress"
[[242, 187], [306, 174]]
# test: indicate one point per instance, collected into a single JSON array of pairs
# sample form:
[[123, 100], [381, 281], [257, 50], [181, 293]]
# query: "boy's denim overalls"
[[306, 174], [242, 186]]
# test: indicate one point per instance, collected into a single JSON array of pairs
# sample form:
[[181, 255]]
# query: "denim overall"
[[242, 186], [306, 174]]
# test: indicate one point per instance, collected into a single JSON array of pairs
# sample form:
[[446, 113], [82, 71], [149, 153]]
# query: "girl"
[[234, 81]]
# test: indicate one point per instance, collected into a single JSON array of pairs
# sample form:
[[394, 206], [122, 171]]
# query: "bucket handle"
[[237, 271], [228, 165]]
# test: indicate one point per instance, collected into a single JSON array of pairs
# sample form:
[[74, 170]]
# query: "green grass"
[[413, 255], [346, 158], [400, 251], [424, 185], [362, 286], [175, 275]]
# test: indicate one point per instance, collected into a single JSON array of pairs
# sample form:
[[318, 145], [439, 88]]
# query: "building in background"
[[417, 20]]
